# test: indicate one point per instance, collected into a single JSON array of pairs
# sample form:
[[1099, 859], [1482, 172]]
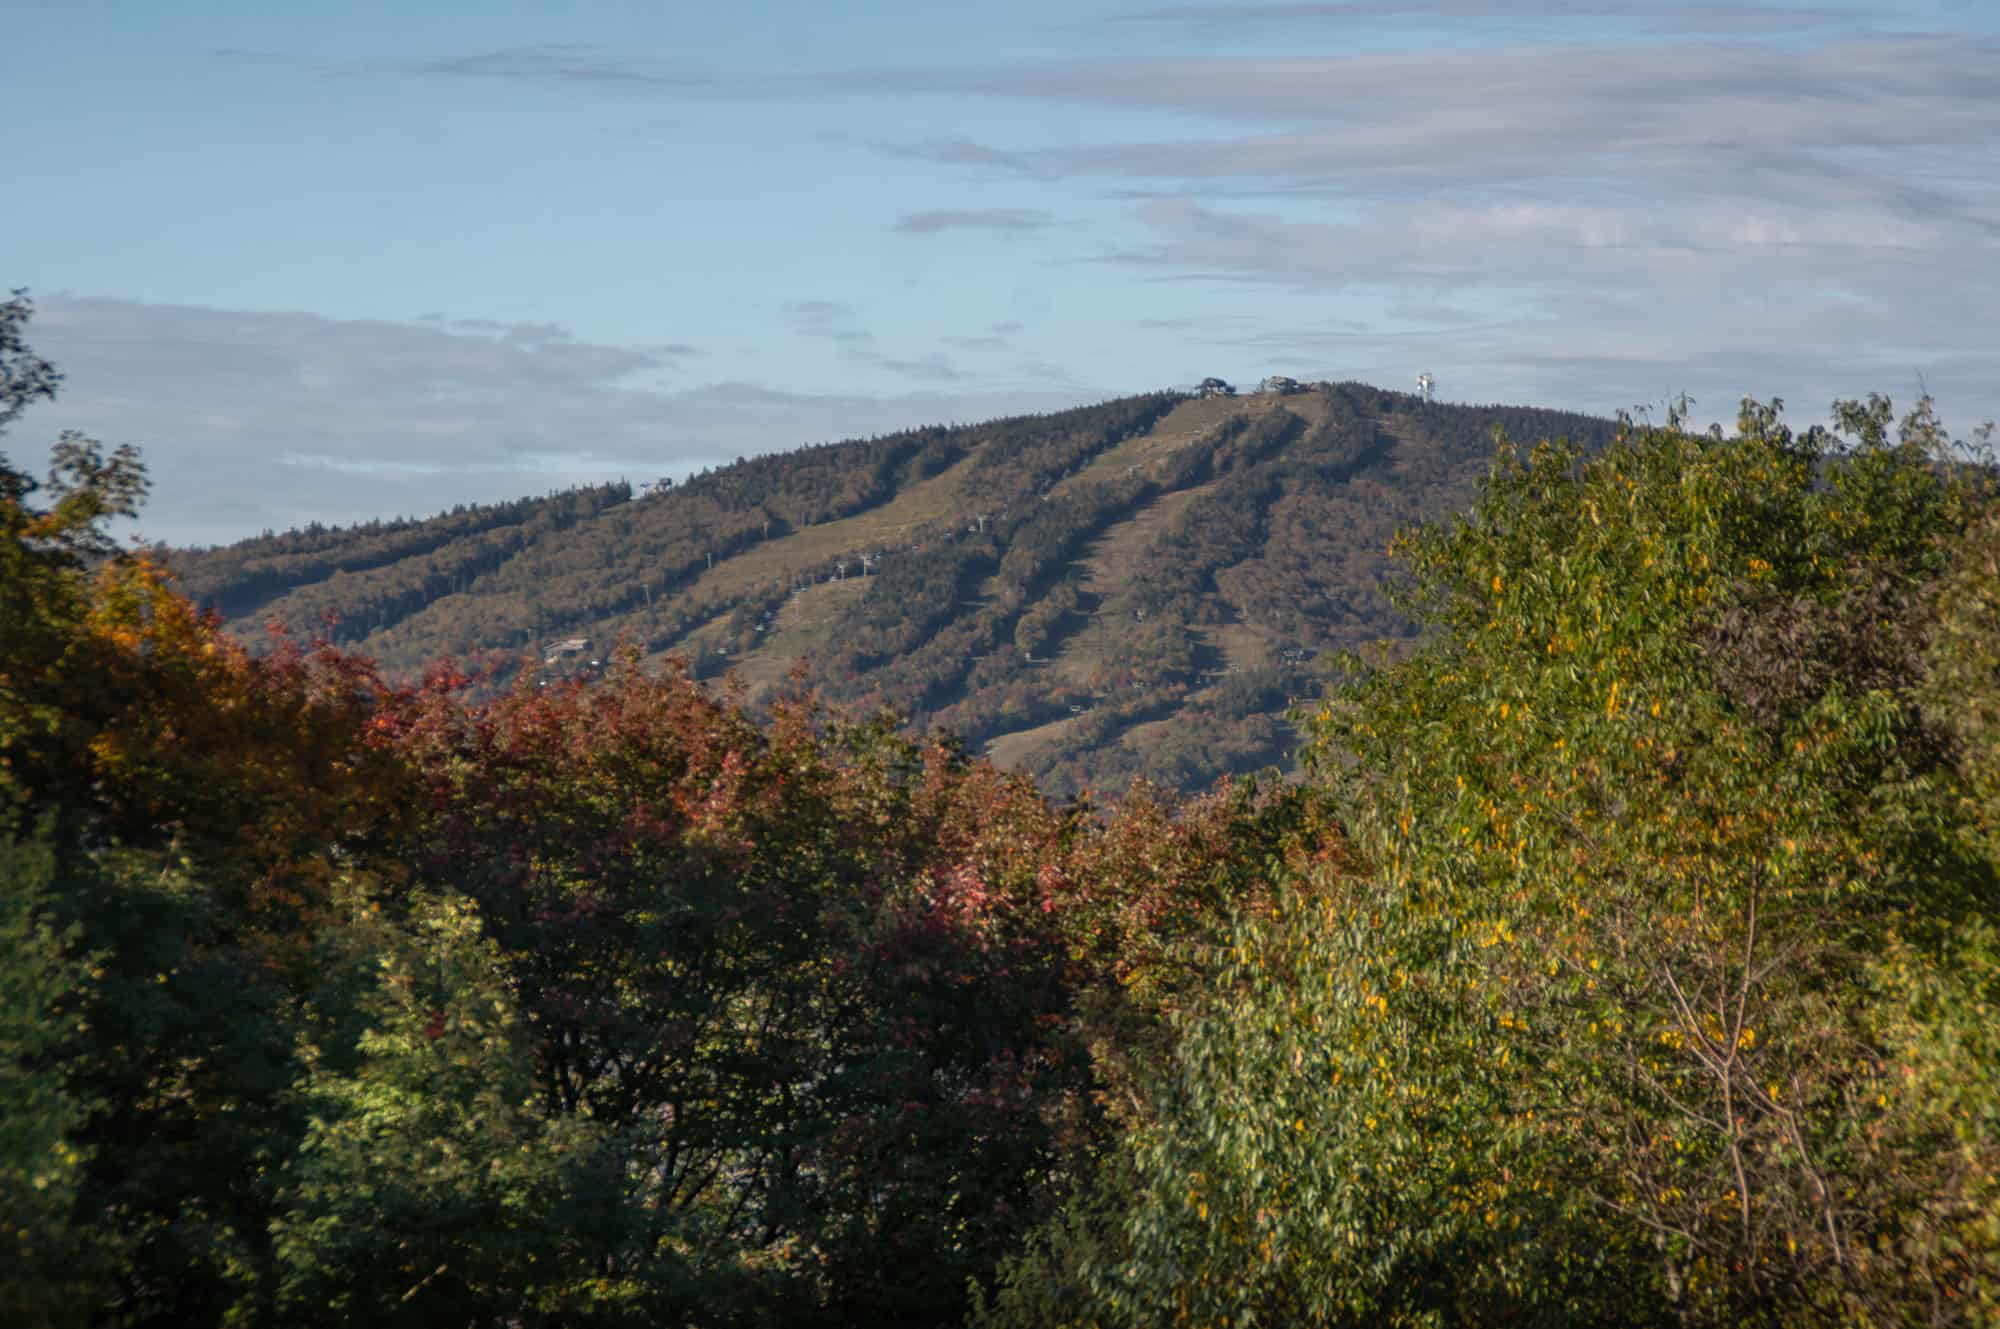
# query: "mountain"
[[1140, 587]]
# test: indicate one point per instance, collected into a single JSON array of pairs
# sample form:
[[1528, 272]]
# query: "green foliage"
[[186, 1050], [428, 1187], [1961, 694], [1644, 1009], [1663, 767], [53, 1270]]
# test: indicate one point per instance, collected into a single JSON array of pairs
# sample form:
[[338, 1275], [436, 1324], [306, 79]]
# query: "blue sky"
[[332, 262]]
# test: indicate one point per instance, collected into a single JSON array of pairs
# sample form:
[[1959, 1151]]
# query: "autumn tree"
[[170, 813], [1674, 917]]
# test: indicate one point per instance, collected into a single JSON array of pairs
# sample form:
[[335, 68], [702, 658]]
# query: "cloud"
[[837, 322], [1710, 18], [251, 420], [1485, 115], [954, 151], [932, 368], [978, 219], [1720, 299], [1704, 180], [239, 55], [813, 315], [556, 64], [1818, 211], [1451, 243]]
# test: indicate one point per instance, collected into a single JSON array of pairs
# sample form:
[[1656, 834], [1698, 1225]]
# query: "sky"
[[336, 262]]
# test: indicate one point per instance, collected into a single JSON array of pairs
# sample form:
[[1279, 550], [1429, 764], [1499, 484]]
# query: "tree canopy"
[[1668, 991]]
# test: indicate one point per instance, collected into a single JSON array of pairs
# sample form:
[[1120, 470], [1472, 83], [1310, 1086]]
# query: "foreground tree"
[[170, 809], [801, 974], [1668, 994]]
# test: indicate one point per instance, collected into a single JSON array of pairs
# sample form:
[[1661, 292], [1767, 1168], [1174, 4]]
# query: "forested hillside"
[[1625, 952], [1140, 588]]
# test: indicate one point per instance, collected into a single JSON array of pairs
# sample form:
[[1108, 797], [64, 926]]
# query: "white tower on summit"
[[1424, 385]]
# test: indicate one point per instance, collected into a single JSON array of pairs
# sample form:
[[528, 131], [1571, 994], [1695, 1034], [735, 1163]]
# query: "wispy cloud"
[[241, 55], [839, 323], [956, 151], [257, 419], [822, 317], [1652, 16], [1722, 302], [977, 219], [549, 63], [1844, 113], [1827, 206], [934, 367]]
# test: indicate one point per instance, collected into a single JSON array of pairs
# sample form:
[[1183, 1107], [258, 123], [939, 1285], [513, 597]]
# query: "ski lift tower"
[[1425, 383]]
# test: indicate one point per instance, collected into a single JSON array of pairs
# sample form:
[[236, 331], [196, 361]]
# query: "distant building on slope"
[[562, 650]]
